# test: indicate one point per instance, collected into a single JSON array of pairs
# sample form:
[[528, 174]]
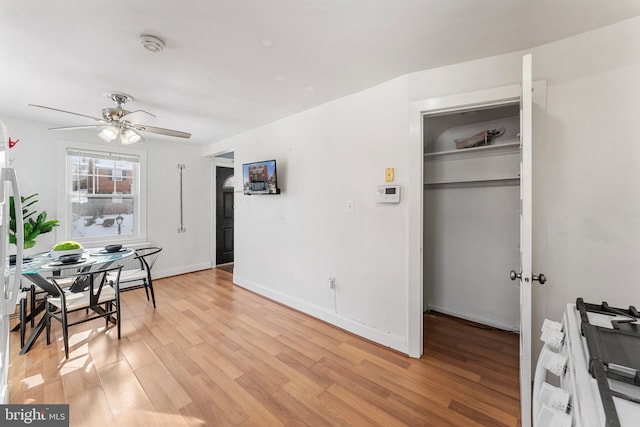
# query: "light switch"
[[388, 175], [350, 206]]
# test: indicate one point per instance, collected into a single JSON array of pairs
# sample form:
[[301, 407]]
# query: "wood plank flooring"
[[214, 354]]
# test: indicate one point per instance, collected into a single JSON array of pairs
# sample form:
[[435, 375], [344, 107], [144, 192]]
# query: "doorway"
[[471, 213], [224, 212], [533, 101]]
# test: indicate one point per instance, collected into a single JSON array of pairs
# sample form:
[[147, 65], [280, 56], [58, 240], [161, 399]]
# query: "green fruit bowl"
[[66, 248]]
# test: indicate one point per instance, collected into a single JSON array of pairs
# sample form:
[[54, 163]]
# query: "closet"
[[471, 213]]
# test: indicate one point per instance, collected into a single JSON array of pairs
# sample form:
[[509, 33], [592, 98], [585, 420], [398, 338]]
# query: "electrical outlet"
[[331, 281]]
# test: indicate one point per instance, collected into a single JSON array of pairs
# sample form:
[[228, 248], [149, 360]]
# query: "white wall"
[[594, 189], [287, 245], [592, 212], [471, 241], [35, 162], [587, 231]]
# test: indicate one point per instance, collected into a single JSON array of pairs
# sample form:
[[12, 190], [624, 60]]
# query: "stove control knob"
[[554, 397], [553, 338], [555, 363], [551, 324], [549, 417]]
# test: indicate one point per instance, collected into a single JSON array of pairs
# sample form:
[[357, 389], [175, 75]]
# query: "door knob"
[[513, 275], [540, 278]]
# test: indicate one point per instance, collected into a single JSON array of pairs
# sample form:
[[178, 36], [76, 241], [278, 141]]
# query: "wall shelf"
[[495, 149]]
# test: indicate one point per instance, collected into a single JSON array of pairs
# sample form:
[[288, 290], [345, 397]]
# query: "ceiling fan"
[[118, 122]]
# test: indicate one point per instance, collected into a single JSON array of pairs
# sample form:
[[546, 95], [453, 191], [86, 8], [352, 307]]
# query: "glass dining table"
[[41, 267]]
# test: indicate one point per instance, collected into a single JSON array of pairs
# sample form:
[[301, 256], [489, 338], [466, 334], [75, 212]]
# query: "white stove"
[[588, 373]]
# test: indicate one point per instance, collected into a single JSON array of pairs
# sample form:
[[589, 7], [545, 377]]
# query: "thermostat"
[[388, 194]]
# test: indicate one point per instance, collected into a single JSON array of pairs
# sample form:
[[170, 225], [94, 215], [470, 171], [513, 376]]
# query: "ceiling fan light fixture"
[[151, 43], [130, 136], [109, 133]]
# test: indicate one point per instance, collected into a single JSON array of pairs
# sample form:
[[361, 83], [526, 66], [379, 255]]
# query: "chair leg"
[[118, 314], [23, 318], [48, 323], [107, 308], [65, 333], [146, 289], [153, 296], [117, 311], [32, 302]]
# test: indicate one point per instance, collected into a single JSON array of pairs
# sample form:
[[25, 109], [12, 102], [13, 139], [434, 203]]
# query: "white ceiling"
[[231, 65]]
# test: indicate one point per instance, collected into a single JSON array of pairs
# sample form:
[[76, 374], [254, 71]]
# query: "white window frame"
[[64, 184]]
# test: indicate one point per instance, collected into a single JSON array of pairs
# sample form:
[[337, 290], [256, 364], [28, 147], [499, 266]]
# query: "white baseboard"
[[383, 338], [478, 319], [183, 269], [168, 272]]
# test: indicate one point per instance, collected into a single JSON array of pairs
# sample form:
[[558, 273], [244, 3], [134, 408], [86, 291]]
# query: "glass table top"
[[44, 262]]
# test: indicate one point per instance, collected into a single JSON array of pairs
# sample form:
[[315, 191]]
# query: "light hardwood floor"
[[214, 354]]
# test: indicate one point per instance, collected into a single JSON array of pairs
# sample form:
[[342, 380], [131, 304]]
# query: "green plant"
[[32, 228]]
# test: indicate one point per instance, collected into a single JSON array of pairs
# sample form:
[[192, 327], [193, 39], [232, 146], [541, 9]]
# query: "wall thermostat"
[[388, 194]]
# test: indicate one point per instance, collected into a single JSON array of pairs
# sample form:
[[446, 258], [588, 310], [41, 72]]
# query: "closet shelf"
[[497, 179], [495, 149]]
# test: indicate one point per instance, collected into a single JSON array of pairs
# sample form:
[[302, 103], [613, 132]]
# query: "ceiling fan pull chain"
[[181, 229]]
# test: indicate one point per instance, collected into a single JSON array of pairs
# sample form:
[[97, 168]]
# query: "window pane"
[[229, 182], [102, 196], [102, 217]]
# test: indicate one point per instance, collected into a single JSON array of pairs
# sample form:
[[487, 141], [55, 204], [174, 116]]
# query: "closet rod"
[[510, 180]]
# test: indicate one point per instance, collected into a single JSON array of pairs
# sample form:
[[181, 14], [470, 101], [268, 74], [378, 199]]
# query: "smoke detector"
[[151, 43]]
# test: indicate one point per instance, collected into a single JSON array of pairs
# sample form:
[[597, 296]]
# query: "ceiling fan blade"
[[161, 131], [79, 127], [136, 116], [64, 111]]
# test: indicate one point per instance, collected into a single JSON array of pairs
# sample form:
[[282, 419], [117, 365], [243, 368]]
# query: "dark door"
[[224, 215]]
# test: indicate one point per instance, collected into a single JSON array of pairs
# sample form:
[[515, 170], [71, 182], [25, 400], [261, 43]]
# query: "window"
[[104, 202], [229, 183]]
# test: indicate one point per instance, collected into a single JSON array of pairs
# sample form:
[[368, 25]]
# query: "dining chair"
[[136, 273], [35, 296], [96, 290]]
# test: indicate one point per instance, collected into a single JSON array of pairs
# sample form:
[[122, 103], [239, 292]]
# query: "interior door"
[[525, 276], [224, 215]]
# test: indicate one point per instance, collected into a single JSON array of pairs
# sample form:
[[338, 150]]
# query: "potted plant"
[[32, 227]]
